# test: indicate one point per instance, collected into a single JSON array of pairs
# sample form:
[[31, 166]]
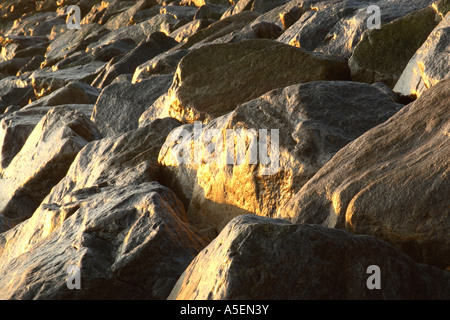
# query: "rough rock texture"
[[75, 92], [265, 259], [46, 80], [164, 63], [382, 54], [314, 121], [119, 238], [156, 44], [202, 93], [430, 64], [43, 160], [392, 182], [335, 26], [15, 91], [121, 104]]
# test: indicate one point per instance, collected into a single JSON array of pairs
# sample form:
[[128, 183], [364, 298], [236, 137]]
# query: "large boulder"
[[314, 120], [15, 91], [429, 65], [383, 53], [121, 104], [256, 258], [392, 182], [335, 26], [131, 242], [43, 160], [212, 80]]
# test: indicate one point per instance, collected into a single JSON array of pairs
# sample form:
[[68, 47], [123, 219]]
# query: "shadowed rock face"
[[313, 120], [392, 182], [94, 122], [43, 160], [214, 79], [264, 259], [119, 247]]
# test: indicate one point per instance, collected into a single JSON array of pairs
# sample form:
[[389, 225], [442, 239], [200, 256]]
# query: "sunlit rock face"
[[118, 237], [392, 182], [429, 65], [214, 79], [265, 259], [43, 160], [121, 104], [14, 92], [335, 26], [16, 127], [383, 53], [313, 120]]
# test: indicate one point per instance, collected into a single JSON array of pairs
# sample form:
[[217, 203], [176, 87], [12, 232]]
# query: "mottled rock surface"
[[313, 120], [202, 93], [266, 259], [392, 182]]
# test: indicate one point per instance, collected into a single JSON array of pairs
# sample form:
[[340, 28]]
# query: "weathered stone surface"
[[115, 48], [219, 29], [129, 16], [382, 54], [74, 93], [266, 259], [189, 29], [239, 72], [138, 32], [22, 46], [335, 26], [14, 91], [314, 120], [392, 182], [45, 81], [164, 63], [43, 160], [157, 43], [120, 105], [429, 65], [39, 24], [129, 243], [210, 11], [69, 42]]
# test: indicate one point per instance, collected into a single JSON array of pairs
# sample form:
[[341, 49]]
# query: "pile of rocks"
[[95, 119]]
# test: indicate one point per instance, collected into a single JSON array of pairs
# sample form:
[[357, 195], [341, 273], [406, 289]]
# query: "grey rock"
[[46, 80], [129, 243], [182, 33], [43, 160], [164, 63], [15, 91], [120, 105], [429, 65], [314, 120], [335, 26], [210, 11], [392, 182], [239, 72], [157, 43], [257, 258], [73, 93], [382, 54]]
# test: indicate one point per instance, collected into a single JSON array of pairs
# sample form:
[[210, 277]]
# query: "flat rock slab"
[[256, 258], [43, 160], [212, 80], [121, 104], [392, 182], [313, 121], [129, 243], [429, 65]]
